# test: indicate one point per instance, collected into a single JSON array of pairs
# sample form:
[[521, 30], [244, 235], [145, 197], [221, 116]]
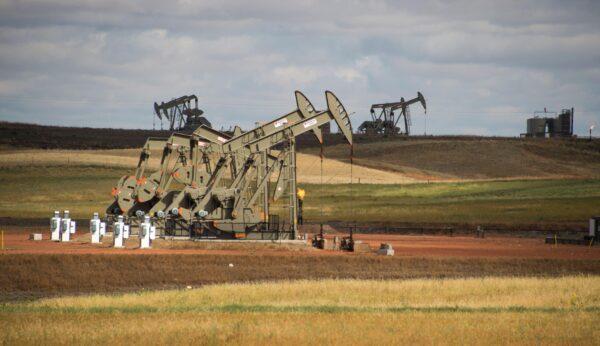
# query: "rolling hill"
[[379, 160], [473, 158]]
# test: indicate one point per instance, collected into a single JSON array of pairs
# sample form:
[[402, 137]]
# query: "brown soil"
[[33, 269], [17, 242]]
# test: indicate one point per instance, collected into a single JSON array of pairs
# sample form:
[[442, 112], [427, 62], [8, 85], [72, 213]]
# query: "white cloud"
[[105, 62]]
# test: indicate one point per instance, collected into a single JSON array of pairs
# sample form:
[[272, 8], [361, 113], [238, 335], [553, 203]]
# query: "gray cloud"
[[483, 66]]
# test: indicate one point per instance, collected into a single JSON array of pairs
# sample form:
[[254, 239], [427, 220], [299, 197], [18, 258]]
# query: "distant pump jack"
[[385, 121]]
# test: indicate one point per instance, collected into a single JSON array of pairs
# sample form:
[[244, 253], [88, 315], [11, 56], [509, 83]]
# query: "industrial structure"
[[592, 238], [541, 125], [386, 116], [180, 115], [214, 185]]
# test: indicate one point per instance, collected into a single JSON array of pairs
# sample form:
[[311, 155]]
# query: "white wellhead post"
[[95, 229], [73, 227], [102, 229], [145, 229], [118, 229], [55, 227], [152, 234], [126, 232], [65, 227]]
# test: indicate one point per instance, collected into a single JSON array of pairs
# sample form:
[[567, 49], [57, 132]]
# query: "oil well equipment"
[[180, 114], [385, 117], [550, 124], [212, 184]]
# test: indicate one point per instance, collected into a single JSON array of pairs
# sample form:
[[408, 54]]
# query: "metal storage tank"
[[536, 127]]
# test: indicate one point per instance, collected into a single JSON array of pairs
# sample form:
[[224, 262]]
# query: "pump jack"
[[230, 198], [384, 120]]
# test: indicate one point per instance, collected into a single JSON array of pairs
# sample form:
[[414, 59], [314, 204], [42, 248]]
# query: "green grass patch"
[[526, 201], [35, 192]]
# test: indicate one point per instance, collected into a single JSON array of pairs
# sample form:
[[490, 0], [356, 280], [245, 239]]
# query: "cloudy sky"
[[482, 66]]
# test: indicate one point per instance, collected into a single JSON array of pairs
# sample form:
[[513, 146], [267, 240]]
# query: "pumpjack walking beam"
[[305, 110]]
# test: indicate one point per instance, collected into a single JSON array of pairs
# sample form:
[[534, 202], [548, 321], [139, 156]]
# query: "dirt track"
[[17, 242]]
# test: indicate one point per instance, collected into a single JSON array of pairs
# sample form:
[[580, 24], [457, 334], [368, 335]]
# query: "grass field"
[[450, 311], [311, 297], [474, 158], [34, 192], [505, 202], [309, 168]]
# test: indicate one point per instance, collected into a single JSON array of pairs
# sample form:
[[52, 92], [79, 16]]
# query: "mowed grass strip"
[[35, 192], [449, 311]]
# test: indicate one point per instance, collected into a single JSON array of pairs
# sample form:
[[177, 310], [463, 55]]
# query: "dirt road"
[[17, 242]]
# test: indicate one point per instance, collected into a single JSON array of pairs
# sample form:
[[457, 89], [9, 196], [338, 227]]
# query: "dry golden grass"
[[467, 311], [474, 159], [126, 158], [256, 328], [338, 172], [499, 293], [309, 168]]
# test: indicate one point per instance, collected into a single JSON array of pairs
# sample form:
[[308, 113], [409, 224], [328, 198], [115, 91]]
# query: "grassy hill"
[[34, 192], [20, 135], [475, 180], [412, 159], [449, 158]]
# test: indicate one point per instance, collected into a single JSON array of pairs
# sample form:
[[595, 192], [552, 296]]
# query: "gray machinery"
[[386, 116], [180, 114], [225, 191], [559, 125], [232, 209], [184, 161]]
